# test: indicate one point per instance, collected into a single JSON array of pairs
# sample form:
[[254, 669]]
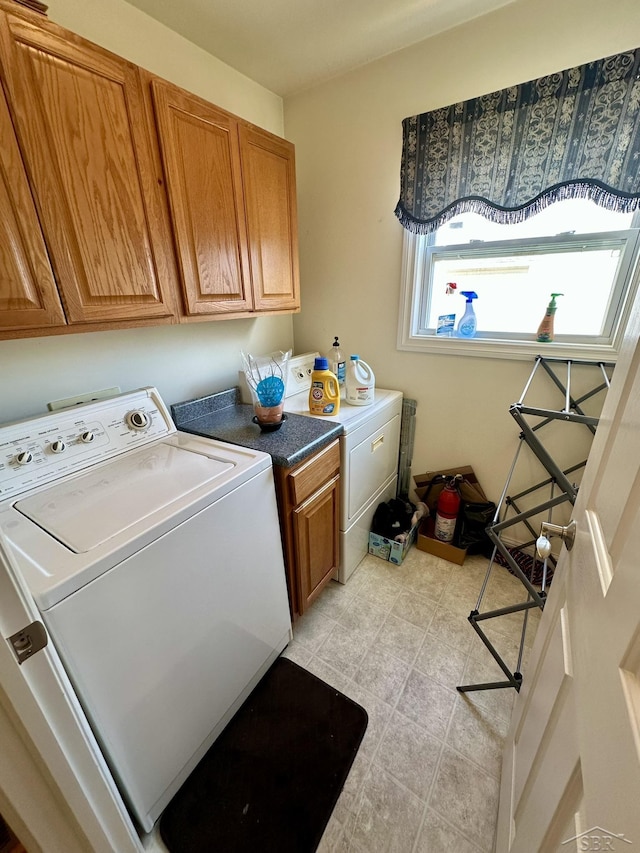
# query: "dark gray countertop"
[[224, 417]]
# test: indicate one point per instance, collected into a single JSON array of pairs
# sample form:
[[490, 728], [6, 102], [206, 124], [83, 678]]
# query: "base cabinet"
[[309, 505]]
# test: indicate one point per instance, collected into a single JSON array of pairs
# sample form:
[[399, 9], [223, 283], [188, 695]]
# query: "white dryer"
[[156, 562]]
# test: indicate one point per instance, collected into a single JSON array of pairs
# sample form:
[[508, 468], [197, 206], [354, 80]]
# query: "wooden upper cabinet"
[[232, 193], [202, 166], [91, 236], [85, 132], [28, 294], [268, 170]]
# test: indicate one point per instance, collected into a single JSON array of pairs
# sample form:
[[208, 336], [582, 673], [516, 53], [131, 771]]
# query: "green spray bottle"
[[545, 329]]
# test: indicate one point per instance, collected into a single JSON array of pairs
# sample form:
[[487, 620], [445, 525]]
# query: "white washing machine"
[[369, 451], [155, 560]]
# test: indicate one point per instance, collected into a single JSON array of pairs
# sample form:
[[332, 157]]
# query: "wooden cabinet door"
[[316, 535], [201, 159], [28, 295], [85, 133], [268, 170]]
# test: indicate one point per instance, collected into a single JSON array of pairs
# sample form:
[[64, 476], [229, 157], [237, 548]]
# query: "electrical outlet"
[[300, 369], [87, 397]]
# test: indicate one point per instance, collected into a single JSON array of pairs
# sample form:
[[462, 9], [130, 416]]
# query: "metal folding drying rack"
[[561, 490]]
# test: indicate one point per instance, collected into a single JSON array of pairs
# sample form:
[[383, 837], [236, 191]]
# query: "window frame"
[[413, 336]]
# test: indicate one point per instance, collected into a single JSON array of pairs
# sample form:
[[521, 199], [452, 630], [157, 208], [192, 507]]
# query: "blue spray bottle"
[[468, 322]]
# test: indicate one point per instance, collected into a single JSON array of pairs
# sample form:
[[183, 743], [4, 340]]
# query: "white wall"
[[125, 30], [348, 139], [182, 361]]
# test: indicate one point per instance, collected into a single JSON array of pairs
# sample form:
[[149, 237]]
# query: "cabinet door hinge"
[[28, 641]]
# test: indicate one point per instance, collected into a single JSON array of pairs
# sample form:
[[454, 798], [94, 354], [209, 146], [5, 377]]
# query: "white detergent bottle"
[[360, 383]]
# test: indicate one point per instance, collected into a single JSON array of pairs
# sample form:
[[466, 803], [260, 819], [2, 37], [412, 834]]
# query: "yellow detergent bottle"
[[324, 394]]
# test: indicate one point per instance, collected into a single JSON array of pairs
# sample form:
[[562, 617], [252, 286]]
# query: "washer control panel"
[[43, 448]]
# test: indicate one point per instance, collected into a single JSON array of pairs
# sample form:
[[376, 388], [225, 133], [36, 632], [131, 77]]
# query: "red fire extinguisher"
[[447, 510]]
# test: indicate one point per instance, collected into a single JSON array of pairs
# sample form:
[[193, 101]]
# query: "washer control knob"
[[138, 420], [24, 458], [58, 446], [87, 437]]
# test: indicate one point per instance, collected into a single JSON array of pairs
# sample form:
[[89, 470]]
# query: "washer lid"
[[86, 511]]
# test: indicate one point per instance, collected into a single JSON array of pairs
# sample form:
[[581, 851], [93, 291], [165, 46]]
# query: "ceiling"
[[290, 45]]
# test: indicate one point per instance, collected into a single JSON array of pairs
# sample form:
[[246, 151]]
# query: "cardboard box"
[[389, 549], [427, 542], [470, 488]]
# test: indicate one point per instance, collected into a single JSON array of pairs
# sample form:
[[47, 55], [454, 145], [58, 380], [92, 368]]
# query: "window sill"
[[508, 349]]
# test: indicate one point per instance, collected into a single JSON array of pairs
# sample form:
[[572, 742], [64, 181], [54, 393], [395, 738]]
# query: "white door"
[[571, 767], [54, 786]]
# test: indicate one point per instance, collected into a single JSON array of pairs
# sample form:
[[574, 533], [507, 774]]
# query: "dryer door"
[[371, 458]]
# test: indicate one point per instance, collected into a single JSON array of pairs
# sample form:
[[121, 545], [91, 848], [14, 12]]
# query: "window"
[[573, 247]]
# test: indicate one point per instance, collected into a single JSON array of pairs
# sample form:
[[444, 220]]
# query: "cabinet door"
[[201, 159], [316, 534], [268, 170], [28, 295], [85, 133]]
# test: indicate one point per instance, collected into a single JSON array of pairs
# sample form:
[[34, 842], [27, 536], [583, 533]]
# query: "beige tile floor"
[[396, 640]]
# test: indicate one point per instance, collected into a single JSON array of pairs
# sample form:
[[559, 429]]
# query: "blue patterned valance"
[[507, 155]]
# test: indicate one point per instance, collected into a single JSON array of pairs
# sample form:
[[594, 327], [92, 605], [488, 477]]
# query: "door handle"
[[567, 534], [378, 442]]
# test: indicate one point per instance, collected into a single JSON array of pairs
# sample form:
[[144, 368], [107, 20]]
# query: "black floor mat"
[[272, 778]]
